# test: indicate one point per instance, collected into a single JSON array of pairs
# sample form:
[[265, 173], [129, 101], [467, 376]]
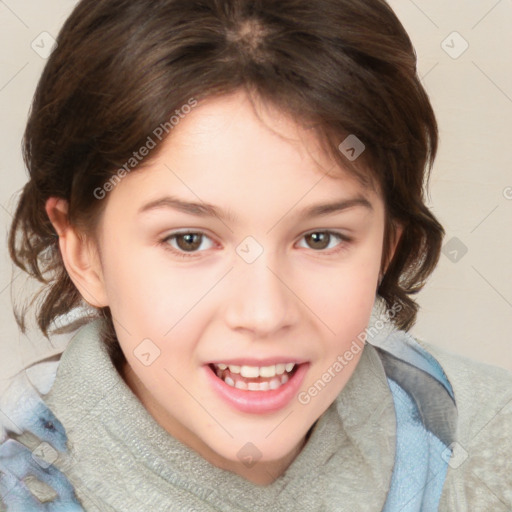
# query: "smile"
[[255, 378], [256, 389]]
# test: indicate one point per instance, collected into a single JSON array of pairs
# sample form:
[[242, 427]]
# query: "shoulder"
[[31, 440], [478, 473], [480, 389]]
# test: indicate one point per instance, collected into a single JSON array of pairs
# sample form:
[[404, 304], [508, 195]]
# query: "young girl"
[[229, 195]]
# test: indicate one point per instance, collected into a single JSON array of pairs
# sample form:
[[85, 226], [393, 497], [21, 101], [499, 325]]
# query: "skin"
[[299, 298]]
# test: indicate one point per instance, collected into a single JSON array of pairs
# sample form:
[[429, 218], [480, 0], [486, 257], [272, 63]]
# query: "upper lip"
[[250, 361]]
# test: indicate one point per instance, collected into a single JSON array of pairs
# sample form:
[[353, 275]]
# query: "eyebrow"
[[208, 210]]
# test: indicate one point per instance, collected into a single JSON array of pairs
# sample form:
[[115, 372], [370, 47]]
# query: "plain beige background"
[[464, 61]]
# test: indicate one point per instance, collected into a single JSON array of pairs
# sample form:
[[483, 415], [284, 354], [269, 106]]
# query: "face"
[[264, 281]]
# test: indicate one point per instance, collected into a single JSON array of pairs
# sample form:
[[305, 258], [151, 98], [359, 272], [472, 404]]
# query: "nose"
[[262, 300]]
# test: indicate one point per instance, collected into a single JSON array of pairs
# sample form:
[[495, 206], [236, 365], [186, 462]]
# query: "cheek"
[[344, 293], [142, 287], [152, 300]]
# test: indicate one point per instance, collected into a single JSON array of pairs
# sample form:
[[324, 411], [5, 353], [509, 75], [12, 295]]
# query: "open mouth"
[[254, 378], [254, 389]]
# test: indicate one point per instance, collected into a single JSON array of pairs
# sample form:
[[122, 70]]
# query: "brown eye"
[[322, 240], [188, 241], [318, 240]]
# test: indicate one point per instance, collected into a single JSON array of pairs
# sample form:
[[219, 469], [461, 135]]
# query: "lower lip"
[[258, 402]]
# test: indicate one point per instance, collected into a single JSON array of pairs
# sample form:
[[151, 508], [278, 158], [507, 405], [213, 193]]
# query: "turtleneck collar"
[[122, 458]]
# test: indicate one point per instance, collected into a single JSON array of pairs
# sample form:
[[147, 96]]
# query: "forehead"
[[242, 125], [230, 149]]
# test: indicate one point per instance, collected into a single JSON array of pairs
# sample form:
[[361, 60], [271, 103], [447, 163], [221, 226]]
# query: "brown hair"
[[123, 67]]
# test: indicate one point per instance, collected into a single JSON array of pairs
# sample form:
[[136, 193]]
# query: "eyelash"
[[165, 242]]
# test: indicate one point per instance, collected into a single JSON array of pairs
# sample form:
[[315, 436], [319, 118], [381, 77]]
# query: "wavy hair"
[[123, 67]]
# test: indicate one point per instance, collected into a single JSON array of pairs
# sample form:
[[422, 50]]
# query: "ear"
[[399, 229], [79, 254]]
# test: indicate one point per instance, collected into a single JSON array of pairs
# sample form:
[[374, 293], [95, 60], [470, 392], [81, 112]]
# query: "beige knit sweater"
[[122, 460]]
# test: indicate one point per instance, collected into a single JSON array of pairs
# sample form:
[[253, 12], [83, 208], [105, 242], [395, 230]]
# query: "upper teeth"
[[258, 371]]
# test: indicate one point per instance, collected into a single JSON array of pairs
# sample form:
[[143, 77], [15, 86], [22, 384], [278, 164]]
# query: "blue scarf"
[[426, 418]]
